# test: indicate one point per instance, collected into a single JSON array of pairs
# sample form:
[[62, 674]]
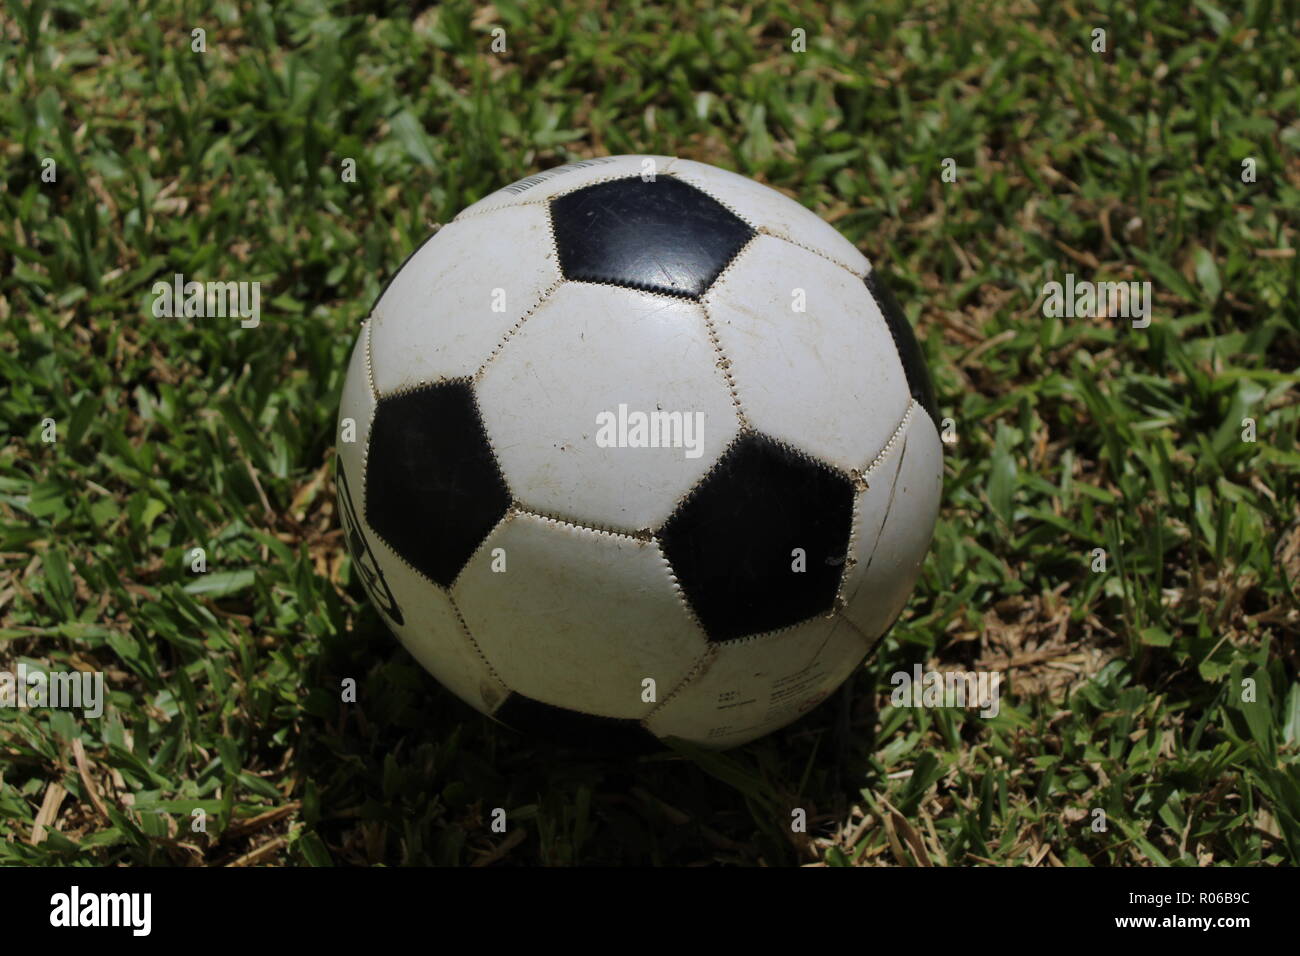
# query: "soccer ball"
[[638, 444]]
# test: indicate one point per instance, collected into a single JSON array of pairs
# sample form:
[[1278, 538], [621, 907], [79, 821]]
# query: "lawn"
[[1119, 536]]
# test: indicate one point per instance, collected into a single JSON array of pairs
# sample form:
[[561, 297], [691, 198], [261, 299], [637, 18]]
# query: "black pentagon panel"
[[433, 491], [918, 377], [570, 728], [731, 544], [661, 236]]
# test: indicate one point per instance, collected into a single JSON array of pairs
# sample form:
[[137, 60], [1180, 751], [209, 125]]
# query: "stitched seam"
[[478, 549], [487, 437], [469, 636], [510, 333], [545, 175], [466, 214], [408, 565], [850, 562], [860, 476], [677, 506], [763, 635], [446, 592], [690, 297], [747, 431], [612, 178], [724, 363], [725, 205], [889, 507], [542, 202], [370, 363], [698, 669], [424, 383], [768, 231], [678, 589], [809, 458], [893, 336], [496, 462], [365, 469], [860, 483], [677, 297], [520, 508]]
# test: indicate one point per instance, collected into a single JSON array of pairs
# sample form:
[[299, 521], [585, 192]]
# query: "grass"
[[1162, 691]]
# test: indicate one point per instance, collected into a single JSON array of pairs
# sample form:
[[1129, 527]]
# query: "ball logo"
[[372, 576], [810, 702], [530, 181]]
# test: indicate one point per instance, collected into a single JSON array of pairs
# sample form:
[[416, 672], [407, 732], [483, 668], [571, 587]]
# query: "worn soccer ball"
[[638, 445]]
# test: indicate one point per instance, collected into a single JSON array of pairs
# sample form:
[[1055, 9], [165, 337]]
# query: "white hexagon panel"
[[565, 613], [459, 295], [607, 406], [784, 315]]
